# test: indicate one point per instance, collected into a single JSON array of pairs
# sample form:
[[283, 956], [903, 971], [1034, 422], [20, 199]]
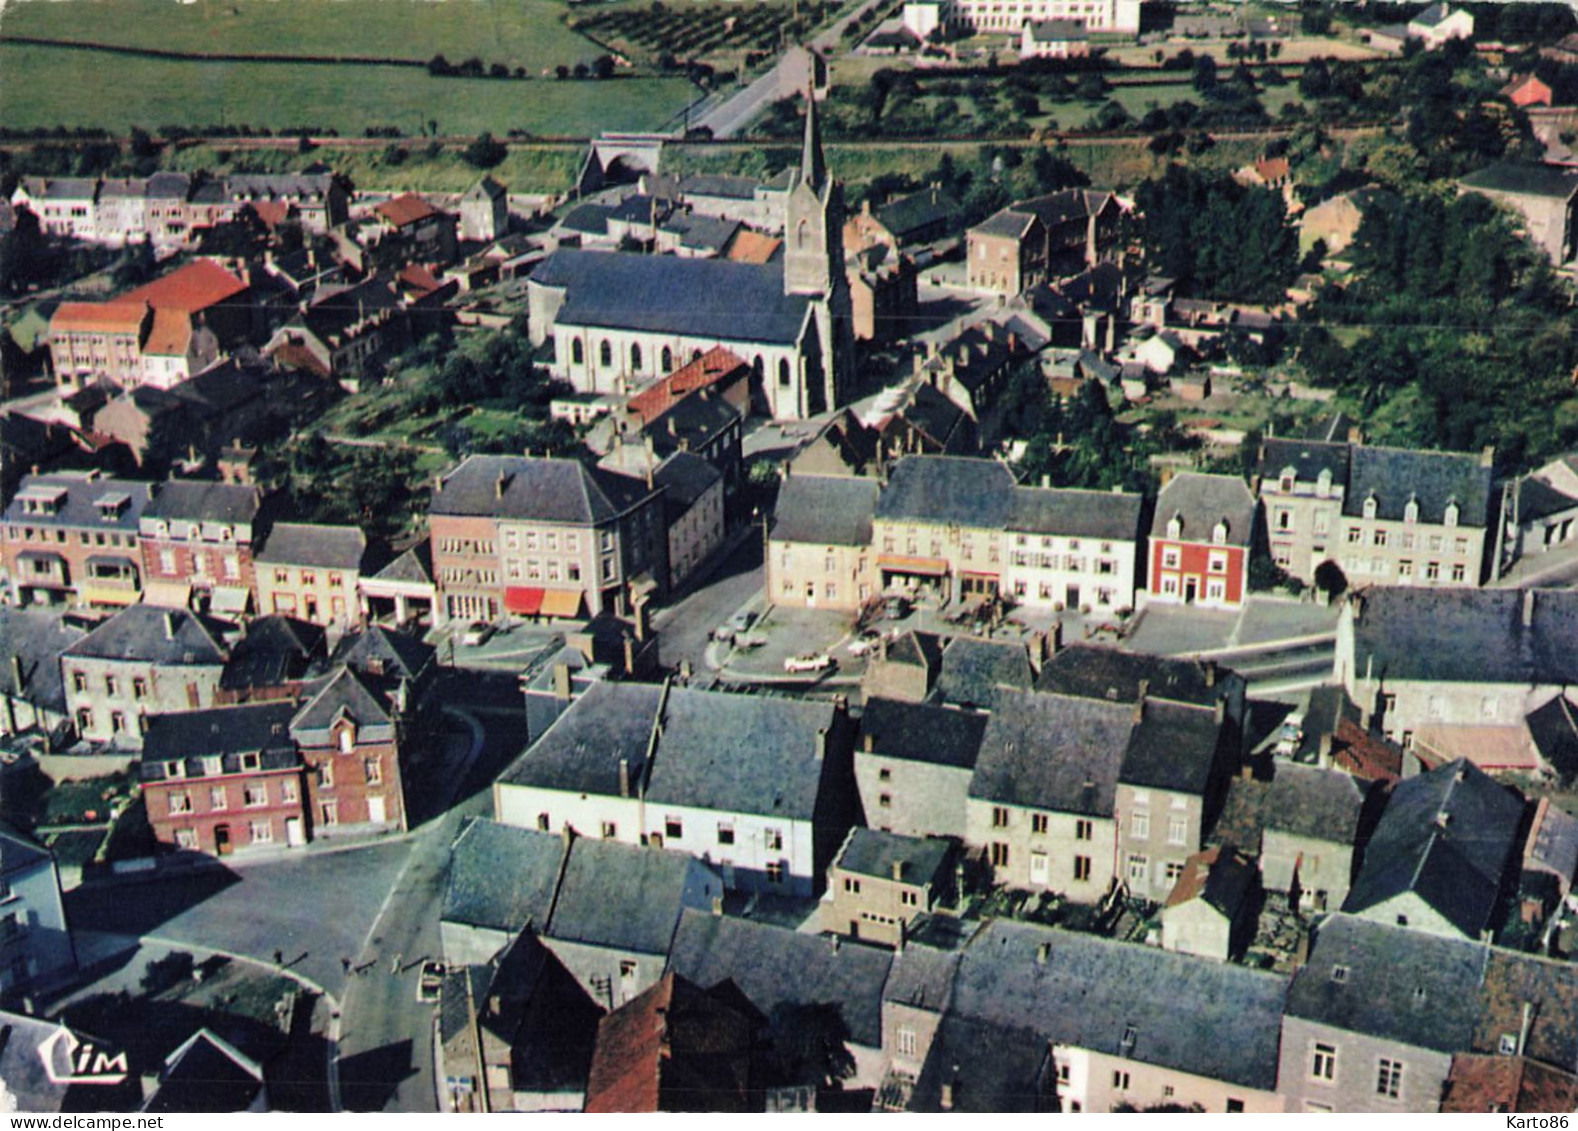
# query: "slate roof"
[[991, 1068], [974, 671], [81, 505], [1095, 672], [692, 422], [1222, 878], [1392, 983], [343, 694], [1553, 728], [314, 544], [917, 649], [538, 490], [623, 895], [207, 1074], [1310, 802], [188, 500], [1307, 459], [1447, 836], [138, 633], [222, 732], [740, 753], [732, 302], [501, 877], [920, 732], [1193, 1015], [1052, 752], [36, 637], [378, 651], [826, 509], [1537, 499], [1202, 501], [1549, 988], [1398, 634], [1173, 748], [1393, 476], [775, 965], [1058, 31], [1524, 180], [18, 852], [274, 650], [588, 219], [871, 852], [718, 185], [1010, 222], [415, 565], [685, 478], [580, 752], [1431, 16], [1109, 515], [919, 210]]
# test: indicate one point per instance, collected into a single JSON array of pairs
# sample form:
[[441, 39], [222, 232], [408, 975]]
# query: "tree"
[[1204, 79], [808, 1045], [603, 67], [486, 152]]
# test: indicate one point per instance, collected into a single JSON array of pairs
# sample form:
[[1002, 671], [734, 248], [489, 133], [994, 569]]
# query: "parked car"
[[731, 629], [809, 662], [477, 633], [1290, 736], [430, 981], [866, 642], [896, 605]]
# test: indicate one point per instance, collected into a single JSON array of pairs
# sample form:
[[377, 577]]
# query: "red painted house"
[[200, 538], [1201, 538]]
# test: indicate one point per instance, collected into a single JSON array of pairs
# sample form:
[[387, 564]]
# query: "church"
[[619, 321]]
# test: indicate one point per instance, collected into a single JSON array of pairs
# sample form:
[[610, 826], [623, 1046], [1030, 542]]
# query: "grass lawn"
[[545, 169], [47, 86], [524, 33]]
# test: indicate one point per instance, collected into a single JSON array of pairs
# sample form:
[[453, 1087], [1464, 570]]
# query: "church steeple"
[[813, 166]]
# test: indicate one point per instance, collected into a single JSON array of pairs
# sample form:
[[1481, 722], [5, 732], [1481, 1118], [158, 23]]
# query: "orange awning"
[[934, 566], [561, 603], [526, 601]]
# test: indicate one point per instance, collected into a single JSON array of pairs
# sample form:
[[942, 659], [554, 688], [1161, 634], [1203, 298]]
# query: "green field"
[[525, 33], [45, 87]]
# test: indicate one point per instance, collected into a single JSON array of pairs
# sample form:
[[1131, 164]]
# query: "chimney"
[[869, 739], [561, 682], [1487, 458], [945, 1099], [1043, 952], [1523, 1029], [1443, 819], [821, 743], [630, 655], [837, 942], [169, 624], [566, 834], [1220, 713], [501, 482], [1325, 751], [717, 905], [20, 679], [1139, 701], [624, 777], [1210, 673], [1055, 638], [898, 869], [672, 429], [1528, 608], [643, 620]]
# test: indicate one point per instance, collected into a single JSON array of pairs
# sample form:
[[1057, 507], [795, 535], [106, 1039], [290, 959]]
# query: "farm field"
[[46, 86], [518, 33]]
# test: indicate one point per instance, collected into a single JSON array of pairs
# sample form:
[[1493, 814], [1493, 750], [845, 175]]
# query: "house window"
[[1323, 1062], [1459, 571], [1389, 1078], [1139, 869], [1081, 868], [673, 828], [577, 353], [999, 817], [139, 688], [1084, 830], [1038, 823], [330, 811], [851, 885], [905, 1043], [783, 372], [1355, 535], [605, 354], [1218, 562], [1177, 829], [1120, 1081], [775, 871], [287, 791], [885, 800], [117, 722], [1170, 558], [725, 834], [610, 830], [1234, 1106], [1140, 826], [668, 359], [326, 774], [999, 854], [79, 682], [373, 769], [112, 686], [1378, 538], [1509, 1044], [262, 832], [774, 839], [909, 898], [255, 796], [1432, 571], [635, 356], [186, 838], [216, 797], [180, 803]]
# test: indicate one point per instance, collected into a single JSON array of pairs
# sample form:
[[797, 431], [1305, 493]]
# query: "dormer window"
[[1219, 532], [226, 534], [1411, 510], [1285, 484], [1175, 526], [347, 737], [1323, 483], [1369, 507], [1449, 518]]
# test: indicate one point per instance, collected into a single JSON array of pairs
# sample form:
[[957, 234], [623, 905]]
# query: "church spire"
[[813, 167]]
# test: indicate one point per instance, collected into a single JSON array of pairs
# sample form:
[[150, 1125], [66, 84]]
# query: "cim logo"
[[68, 1061]]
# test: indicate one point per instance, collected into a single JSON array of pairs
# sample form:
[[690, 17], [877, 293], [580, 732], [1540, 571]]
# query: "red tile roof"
[[170, 333], [273, 213], [195, 287], [753, 247], [1273, 169], [710, 368], [419, 279], [405, 210], [1480, 1083], [102, 317]]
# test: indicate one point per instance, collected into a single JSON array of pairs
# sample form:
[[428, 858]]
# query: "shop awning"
[[230, 599], [169, 594], [523, 600], [935, 567], [562, 603], [111, 594]]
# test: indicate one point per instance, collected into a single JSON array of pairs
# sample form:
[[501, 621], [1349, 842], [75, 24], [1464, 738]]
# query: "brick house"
[[882, 882], [72, 538], [1037, 240], [349, 738], [142, 661], [1201, 539], [550, 537], [202, 536]]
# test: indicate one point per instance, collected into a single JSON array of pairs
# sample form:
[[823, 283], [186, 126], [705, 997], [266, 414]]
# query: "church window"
[[801, 234], [635, 356], [668, 359], [605, 354], [577, 354], [783, 371]]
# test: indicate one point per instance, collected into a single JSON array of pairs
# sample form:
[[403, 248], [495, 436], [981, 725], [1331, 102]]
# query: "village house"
[[1041, 239], [1439, 23], [819, 544], [206, 1073], [71, 538], [1543, 195], [1496, 696], [1054, 39], [974, 16], [343, 332], [312, 571], [1211, 910], [1526, 91], [1539, 512], [761, 788], [1201, 538], [36, 947], [914, 763], [404, 593], [547, 537], [882, 293], [200, 538], [484, 212], [1383, 516], [32, 697], [882, 882], [143, 661], [66, 207]]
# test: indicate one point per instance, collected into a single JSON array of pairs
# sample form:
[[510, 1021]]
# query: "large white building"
[[620, 321], [957, 16]]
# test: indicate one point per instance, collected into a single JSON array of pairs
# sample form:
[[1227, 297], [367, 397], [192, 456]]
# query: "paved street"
[[685, 627]]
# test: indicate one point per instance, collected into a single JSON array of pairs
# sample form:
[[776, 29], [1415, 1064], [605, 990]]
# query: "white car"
[[810, 662], [477, 633]]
